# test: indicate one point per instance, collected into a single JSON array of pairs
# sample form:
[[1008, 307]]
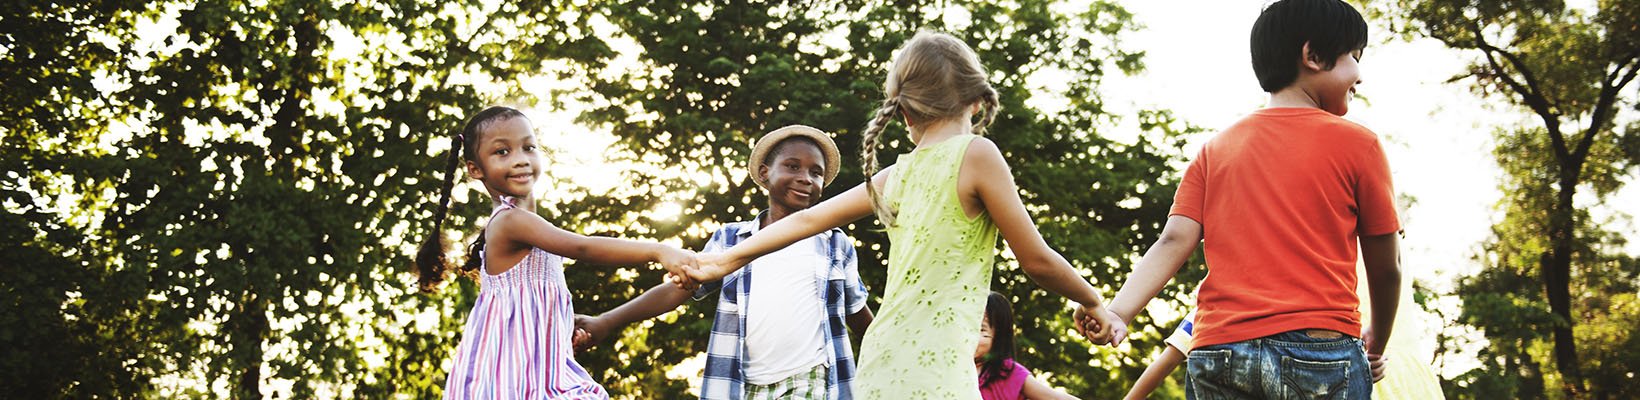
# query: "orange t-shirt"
[[1282, 196]]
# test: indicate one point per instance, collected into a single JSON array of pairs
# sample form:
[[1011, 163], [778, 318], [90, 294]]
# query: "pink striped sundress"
[[516, 344]]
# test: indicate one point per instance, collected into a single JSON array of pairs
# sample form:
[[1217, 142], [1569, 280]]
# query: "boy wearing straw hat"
[[783, 337]]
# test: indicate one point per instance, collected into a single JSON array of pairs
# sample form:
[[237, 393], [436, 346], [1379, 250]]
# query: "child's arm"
[[1382, 256], [1156, 373], [859, 321], [1037, 389], [528, 229], [662, 298], [993, 185], [658, 300], [1179, 238], [842, 209]]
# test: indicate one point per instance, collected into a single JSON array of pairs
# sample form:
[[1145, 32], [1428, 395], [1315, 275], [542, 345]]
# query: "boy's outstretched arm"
[[837, 211], [1382, 256], [1156, 373], [658, 300], [1179, 238]]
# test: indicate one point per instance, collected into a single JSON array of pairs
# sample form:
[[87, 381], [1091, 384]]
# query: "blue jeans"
[[1287, 365]]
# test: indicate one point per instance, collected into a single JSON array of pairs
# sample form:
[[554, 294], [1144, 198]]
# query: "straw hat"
[[828, 148]]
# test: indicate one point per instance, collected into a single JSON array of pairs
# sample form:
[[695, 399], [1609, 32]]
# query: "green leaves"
[[1550, 266], [218, 198], [711, 78]]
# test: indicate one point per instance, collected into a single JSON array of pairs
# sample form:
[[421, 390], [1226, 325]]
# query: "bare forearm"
[[657, 300], [794, 227], [1179, 238], [614, 251], [1052, 272], [1036, 389], [1155, 374], [1382, 257], [1150, 274]]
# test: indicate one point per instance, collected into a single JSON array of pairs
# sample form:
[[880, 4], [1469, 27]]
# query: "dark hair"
[[995, 366], [430, 261], [1331, 27], [781, 146]]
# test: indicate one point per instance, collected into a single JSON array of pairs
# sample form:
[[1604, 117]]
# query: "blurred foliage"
[[1555, 300], [219, 198], [712, 77]]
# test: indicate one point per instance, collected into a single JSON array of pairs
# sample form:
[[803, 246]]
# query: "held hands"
[[1099, 325], [678, 263], [688, 269], [589, 331], [711, 267]]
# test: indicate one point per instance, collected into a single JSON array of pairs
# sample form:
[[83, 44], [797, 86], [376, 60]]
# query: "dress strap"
[[507, 203]]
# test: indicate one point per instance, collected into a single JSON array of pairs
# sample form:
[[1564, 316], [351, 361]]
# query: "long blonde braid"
[[869, 142]]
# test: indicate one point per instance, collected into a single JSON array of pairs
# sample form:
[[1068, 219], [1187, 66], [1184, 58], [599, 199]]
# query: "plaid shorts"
[[809, 385]]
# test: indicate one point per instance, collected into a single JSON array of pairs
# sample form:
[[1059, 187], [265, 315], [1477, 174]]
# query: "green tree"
[[225, 192], [709, 78], [1549, 266]]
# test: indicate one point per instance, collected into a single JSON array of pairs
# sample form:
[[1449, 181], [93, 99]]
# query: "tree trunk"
[[248, 327], [1557, 274]]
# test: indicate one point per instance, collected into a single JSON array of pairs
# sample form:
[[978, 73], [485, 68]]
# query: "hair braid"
[[431, 263], [430, 260], [989, 107], [869, 142]]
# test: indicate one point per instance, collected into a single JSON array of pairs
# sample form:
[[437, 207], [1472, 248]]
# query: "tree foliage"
[[219, 198], [712, 77], [220, 193], [1550, 266]]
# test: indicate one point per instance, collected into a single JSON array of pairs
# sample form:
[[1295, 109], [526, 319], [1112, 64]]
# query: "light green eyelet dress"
[[921, 345]]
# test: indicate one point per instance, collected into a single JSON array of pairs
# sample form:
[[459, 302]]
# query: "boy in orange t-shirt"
[[1280, 200]]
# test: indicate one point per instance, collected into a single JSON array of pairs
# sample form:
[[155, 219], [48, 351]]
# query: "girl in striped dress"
[[516, 343]]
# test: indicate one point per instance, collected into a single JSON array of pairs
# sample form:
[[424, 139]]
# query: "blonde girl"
[[944, 204]]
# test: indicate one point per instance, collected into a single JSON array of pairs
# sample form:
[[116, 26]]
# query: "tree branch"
[[1603, 106], [1624, 62], [1529, 91]]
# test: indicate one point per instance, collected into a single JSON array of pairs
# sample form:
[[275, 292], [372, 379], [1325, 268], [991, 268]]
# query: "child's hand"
[[1376, 362], [712, 267], [589, 330], [678, 263], [1118, 327], [1099, 325], [580, 340], [1369, 341]]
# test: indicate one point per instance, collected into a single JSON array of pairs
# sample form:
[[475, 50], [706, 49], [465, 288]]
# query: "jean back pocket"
[[1314, 379]]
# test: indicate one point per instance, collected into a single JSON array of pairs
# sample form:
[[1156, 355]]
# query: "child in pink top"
[[1000, 378]]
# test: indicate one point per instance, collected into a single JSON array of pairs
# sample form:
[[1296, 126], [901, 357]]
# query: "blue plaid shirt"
[[838, 280]]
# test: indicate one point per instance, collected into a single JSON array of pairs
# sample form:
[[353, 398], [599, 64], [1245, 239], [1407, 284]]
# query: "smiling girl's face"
[[508, 161]]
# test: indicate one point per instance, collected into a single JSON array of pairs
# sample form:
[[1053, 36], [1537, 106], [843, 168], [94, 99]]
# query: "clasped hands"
[[688, 270]]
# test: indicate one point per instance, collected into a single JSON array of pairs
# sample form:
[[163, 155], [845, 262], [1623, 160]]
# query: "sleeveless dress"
[[939, 272], [516, 344]]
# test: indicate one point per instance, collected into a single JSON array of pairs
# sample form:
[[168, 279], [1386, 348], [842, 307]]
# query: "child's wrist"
[[657, 252]]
